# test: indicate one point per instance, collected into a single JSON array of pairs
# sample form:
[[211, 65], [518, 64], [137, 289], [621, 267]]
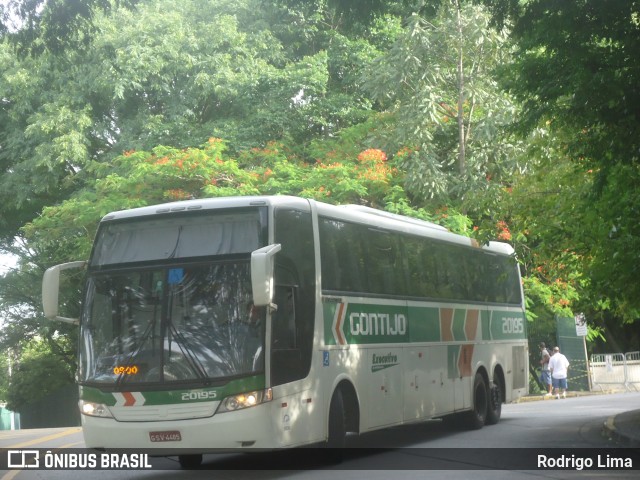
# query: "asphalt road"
[[429, 450]]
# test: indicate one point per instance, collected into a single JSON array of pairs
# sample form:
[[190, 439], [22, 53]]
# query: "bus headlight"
[[93, 409], [245, 400]]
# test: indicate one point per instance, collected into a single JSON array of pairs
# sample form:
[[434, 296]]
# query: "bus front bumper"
[[249, 428]]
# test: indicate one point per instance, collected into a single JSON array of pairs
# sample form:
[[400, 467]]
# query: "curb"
[[542, 397], [610, 431], [627, 437]]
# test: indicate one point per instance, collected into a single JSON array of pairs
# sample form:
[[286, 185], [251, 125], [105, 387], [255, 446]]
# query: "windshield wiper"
[[192, 359], [147, 332]]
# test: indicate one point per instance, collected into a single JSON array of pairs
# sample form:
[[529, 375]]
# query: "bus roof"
[[206, 204], [350, 213], [413, 226]]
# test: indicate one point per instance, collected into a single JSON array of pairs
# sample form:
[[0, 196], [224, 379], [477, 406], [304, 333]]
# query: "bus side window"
[[286, 356], [292, 325], [283, 336]]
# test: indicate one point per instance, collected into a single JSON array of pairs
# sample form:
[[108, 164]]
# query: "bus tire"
[[337, 434], [190, 461], [494, 409], [477, 416]]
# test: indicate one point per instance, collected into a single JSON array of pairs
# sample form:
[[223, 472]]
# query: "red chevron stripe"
[[339, 334], [446, 321], [464, 361], [129, 399], [471, 324]]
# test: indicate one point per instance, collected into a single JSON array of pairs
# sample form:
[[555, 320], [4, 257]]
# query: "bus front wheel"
[[337, 434]]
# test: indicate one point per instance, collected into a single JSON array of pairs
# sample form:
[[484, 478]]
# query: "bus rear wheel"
[[478, 415], [494, 409]]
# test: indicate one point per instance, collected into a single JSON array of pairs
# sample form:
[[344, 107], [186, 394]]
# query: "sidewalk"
[[622, 429]]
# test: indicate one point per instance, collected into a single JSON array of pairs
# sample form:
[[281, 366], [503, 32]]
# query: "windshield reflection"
[[187, 324]]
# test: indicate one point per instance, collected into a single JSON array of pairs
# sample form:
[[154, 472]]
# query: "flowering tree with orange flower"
[[167, 174]]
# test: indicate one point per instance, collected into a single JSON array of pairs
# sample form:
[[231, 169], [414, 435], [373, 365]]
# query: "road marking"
[[69, 445], [69, 431], [11, 475]]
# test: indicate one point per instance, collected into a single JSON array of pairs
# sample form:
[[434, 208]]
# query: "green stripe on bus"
[[366, 324], [507, 325], [187, 395], [425, 324], [329, 311], [485, 320], [458, 325]]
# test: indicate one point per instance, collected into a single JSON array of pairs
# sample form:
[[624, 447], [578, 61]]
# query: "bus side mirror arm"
[[51, 289], [262, 282]]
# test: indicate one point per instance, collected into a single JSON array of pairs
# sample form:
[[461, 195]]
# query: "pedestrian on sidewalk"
[[559, 366], [545, 373]]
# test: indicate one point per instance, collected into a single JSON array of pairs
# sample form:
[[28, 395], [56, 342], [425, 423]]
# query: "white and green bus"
[[276, 321]]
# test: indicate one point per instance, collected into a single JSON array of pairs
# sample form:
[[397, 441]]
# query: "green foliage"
[[614, 222], [548, 300], [576, 75], [171, 174], [38, 373], [38, 26], [4, 377], [80, 127], [393, 104], [165, 73], [437, 81]]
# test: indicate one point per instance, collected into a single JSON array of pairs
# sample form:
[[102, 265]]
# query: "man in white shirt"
[[559, 365]]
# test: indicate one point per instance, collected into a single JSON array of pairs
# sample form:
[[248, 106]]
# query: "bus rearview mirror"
[[51, 290], [262, 274]]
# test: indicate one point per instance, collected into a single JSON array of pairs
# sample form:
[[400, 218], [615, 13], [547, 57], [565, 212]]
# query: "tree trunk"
[[461, 135]]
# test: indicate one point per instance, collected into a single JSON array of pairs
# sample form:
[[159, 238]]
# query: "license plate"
[[168, 436]]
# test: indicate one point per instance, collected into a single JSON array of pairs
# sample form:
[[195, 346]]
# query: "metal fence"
[[633, 368], [617, 369]]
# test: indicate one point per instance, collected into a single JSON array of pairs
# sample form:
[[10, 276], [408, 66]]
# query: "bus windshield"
[[184, 236], [168, 300], [178, 324]]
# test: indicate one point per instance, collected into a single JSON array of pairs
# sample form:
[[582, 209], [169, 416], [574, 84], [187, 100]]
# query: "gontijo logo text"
[[362, 324]]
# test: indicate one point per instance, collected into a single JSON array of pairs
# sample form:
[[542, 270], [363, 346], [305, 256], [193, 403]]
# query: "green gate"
[[573, 347], [5, 419]]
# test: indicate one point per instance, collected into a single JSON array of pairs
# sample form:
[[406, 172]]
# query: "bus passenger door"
[[385, 386]]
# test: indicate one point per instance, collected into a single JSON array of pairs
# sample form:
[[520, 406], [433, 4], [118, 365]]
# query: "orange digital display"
[[125, 370]]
